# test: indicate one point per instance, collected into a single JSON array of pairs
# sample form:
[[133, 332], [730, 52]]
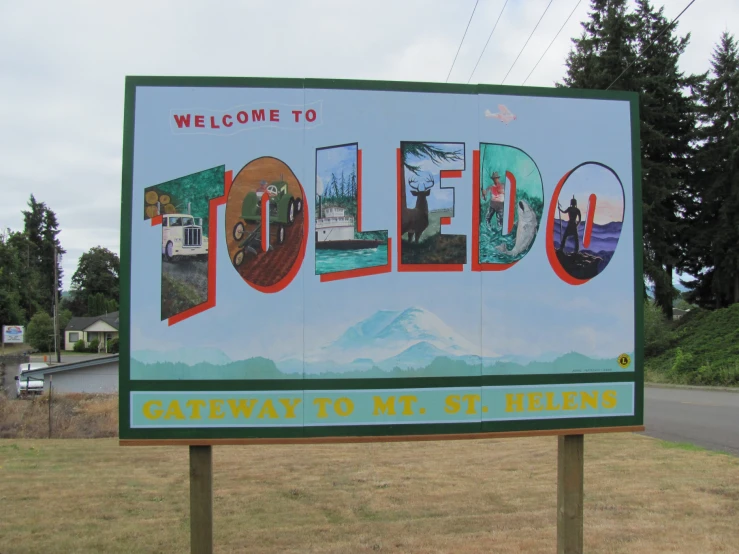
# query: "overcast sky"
[[63, 64]]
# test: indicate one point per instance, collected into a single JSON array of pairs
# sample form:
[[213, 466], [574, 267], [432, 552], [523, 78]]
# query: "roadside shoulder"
[[690, 387]]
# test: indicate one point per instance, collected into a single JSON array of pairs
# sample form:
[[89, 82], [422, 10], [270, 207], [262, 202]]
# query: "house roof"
[[75, 365], [82, 323]]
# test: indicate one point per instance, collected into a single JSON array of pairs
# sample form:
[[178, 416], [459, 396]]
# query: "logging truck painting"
[[182, 236]]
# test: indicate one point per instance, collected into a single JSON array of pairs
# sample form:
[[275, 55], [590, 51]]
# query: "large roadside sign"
[[13, 334], [348, 260]]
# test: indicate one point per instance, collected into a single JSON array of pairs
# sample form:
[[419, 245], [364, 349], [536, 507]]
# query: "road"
[[705, 418]]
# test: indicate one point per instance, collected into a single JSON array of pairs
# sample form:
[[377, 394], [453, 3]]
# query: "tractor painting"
[[283, 208]]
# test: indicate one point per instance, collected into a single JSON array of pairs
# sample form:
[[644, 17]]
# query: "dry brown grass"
[[467, 496], [73, 416]]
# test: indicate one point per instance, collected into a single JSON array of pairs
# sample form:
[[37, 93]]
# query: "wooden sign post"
[[570, 464], [201, 499]]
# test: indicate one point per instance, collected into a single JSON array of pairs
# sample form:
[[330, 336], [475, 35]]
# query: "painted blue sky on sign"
[[526, 310]]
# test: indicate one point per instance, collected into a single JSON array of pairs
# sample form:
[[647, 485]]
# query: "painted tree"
[[712, 255]]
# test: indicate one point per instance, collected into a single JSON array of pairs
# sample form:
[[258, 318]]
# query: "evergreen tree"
[[11, 310], [667, 133], [609, 50], [605, 48], [333, 188], [353, 182], [712, 255], [41, 229], [29, 283]]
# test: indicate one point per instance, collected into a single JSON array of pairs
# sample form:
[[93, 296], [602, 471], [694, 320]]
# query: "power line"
[[460, 44], [640, 54], [550, 44], [486, 44], [527, 41]]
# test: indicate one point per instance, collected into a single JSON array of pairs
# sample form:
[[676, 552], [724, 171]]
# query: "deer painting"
[[415, 220]]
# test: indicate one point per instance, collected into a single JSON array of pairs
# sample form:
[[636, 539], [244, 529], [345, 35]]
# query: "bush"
[[94, 345], [40, 332], [113, 346], [79, 346], [656, 329]]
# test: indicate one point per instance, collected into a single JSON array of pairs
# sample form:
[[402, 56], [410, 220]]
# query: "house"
[[102, 328], [96, 375]]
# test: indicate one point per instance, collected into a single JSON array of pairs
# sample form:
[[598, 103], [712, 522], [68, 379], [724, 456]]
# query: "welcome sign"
[[344, 259]]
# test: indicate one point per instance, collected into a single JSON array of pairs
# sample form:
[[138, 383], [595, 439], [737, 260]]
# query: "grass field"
[[641, 495]]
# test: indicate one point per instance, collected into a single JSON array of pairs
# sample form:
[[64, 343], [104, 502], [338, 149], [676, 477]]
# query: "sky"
[[63, 65]]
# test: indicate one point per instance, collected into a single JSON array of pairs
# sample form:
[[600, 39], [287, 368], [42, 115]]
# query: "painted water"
[[331, 261]]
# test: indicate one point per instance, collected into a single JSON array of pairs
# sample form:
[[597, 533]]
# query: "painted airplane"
[[504, 114]]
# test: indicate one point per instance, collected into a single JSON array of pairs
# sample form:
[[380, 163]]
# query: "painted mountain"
[[411, 337], [409, 343]]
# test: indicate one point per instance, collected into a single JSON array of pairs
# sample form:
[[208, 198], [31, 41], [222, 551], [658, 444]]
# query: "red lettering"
[[199, 121], [257, 115], [227, 120], [310, 115], [182, 120], [213, 123], [297, 113], [242, 117], [274, 115]]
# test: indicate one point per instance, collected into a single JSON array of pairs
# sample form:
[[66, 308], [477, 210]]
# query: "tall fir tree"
[[712, 256], [607, 54], [41, 229], [668, 120], [605, 48]]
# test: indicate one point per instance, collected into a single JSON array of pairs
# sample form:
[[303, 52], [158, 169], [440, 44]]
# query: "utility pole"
[[56, 309]]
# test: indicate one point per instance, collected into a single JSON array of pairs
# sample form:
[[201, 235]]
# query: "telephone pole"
[[56, 310]]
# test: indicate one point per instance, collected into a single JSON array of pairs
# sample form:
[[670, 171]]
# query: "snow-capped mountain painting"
[[412, 336]]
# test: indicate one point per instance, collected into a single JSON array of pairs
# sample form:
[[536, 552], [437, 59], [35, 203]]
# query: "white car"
[[30, 385]]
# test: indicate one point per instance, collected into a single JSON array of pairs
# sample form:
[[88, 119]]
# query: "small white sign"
[[13, 334]]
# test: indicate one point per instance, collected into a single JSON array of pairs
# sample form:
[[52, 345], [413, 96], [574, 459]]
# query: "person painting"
[[571, 230], [497, 200]]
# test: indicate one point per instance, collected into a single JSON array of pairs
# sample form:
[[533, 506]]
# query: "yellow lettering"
[[322, 402], [216, 409], [244, 406], [268, 409], [407, 402], [384, 407], [452, 404], [195, 406], [551, 406], [609, 399], [174, 411], [569, 400], [535, 401], [344, 406], [289, 407], [471, 399], [148, 413], [589, 399], [514, 402]]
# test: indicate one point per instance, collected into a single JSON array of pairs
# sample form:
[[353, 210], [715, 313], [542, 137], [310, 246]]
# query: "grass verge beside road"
[[459, 496]]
